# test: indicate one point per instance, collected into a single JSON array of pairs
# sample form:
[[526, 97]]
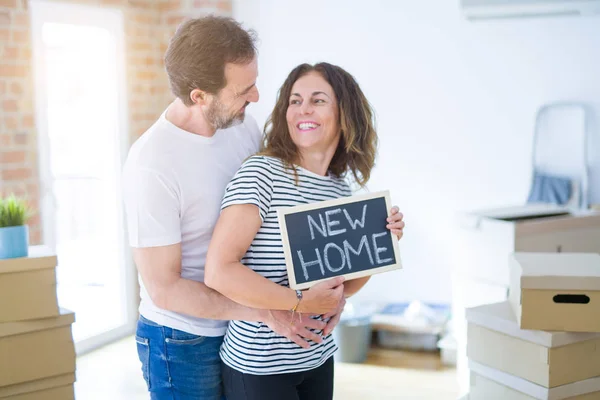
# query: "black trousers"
[[316, 384]]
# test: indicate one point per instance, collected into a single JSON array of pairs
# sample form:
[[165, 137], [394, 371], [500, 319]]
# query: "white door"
[[81, 117]]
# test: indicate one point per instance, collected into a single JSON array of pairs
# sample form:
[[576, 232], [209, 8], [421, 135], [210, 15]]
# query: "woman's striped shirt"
[[252, 347]]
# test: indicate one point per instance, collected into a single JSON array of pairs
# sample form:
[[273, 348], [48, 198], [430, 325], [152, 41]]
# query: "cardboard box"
[[549, 359], [556, 291], [28, 286], [54, 388], [57, 393], [36, 349], [490, 384], [491, 235]]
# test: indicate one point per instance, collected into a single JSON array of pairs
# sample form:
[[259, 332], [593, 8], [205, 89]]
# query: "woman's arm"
[[353, 286], [235, 230]]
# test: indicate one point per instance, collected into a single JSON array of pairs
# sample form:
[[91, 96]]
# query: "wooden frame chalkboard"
[[354, 227]]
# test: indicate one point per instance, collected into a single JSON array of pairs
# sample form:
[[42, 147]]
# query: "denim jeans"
[[178, 365]]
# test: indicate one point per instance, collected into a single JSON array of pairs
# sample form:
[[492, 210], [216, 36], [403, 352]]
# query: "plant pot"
[[14, 242]]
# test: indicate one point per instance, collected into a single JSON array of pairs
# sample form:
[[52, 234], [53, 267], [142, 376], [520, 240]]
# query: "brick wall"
[[148, 26]]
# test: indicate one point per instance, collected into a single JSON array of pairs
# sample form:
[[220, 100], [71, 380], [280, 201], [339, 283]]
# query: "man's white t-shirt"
[[174, 182]]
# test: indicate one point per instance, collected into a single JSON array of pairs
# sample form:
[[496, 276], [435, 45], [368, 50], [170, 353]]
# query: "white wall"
[[455, 103]]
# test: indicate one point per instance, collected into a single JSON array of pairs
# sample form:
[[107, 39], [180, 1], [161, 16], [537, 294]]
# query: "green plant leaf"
[[13, 211]]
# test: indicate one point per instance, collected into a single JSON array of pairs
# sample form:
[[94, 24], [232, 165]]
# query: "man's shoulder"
[[151, 151]]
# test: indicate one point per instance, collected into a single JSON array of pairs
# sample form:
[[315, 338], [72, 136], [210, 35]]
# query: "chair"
[[560, 158]]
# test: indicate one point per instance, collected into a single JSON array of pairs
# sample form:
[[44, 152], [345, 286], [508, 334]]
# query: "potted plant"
[[14, 233]]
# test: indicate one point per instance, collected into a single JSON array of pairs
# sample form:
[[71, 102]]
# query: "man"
[[174, 179]]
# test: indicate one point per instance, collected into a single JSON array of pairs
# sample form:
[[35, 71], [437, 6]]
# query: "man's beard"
[[219, 119]]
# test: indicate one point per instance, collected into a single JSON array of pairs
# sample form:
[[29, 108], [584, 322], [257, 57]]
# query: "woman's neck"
[[316, 162]]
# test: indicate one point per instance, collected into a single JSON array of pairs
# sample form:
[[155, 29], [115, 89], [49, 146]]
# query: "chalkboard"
[[343, 237]]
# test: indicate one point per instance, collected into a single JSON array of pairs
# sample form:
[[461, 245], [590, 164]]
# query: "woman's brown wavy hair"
[[357, 148]]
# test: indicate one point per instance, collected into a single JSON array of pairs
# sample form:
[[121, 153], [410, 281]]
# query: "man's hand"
[[334, 317], [395, 223], [298, 332]]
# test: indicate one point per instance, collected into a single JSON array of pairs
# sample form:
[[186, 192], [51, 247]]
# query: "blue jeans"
[[178, 365]]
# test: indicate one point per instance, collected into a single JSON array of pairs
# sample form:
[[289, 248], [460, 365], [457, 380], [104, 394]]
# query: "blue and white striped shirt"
[[252, 347]]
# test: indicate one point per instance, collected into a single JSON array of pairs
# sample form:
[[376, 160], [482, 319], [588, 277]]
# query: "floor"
[[97, 307], [113, 373]]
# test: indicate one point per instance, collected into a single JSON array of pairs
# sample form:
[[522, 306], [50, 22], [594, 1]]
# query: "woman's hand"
[[395, 223], [323, 298]]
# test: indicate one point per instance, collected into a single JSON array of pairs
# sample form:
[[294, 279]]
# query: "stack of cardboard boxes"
[[481, 271], [544, 342], [37, 354]]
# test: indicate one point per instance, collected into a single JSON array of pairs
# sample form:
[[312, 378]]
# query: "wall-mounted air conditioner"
[[506, 9]]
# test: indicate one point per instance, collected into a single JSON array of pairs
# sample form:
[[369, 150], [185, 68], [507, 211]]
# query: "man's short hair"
[[200, 49]]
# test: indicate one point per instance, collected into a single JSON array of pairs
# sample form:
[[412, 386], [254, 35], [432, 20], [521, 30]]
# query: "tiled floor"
[[113, 373]]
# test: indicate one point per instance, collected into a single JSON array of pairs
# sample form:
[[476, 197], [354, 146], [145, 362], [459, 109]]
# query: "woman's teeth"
[[307, 125]]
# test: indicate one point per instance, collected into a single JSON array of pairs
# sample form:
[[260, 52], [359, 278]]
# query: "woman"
[[321, 129]]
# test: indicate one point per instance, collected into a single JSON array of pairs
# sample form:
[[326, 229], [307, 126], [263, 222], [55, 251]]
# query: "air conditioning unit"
[[507, 9]]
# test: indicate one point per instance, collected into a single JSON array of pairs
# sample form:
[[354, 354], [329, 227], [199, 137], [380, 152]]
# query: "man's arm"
[[160, 269]]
